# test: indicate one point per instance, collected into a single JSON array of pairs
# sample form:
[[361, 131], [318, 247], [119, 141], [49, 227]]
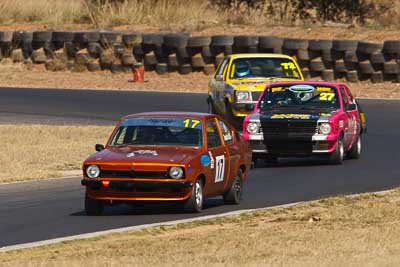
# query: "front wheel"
[[93, 207], [234, 193], [337, 155], [195, 202], [355, 150]]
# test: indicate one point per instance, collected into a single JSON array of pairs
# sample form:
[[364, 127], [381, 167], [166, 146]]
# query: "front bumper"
[[292, 147], [137, 190]]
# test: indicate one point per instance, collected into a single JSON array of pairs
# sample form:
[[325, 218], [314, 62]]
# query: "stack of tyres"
[[391, 66], [175, 47], [298, 48], [201, 58], [321, 61], [370, 63], [221, 46], [344, 53]]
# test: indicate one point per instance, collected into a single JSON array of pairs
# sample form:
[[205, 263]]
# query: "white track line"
[[146, 226]]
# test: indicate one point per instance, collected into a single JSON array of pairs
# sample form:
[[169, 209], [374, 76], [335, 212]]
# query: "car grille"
[[132, 174], [255, 95], [273, 127]]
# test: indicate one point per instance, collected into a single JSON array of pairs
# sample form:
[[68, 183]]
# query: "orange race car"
[[167, 156]]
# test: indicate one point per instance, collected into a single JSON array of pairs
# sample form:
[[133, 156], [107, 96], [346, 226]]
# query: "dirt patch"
[[339, 231]]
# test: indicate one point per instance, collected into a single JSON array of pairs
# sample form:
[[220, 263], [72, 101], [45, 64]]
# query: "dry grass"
[[340, 231], [43, 151], [174, 15]]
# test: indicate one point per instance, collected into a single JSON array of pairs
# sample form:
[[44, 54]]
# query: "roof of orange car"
[[197, 115]]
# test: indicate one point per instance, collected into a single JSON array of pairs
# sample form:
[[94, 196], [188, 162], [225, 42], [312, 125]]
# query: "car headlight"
[[242, 95], [93, 171], [253, 127], [324, 128], [176, 172]]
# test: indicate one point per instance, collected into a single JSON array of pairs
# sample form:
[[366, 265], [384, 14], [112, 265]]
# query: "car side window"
[[213, 138], [220, 70], [345, 101], [226, 133], [351, 97]]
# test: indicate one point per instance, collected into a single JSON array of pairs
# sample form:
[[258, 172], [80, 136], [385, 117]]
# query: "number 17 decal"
[[220, 168]]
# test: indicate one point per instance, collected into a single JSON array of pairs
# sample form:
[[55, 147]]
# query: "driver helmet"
[[242, 69], [304, 96]]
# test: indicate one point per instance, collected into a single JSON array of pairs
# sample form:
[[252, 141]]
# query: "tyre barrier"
[[352, 60]]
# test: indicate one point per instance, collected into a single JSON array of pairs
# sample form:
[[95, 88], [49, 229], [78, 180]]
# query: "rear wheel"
[[234, 194], [337, 155], [355, 150], [93, 207], [195, 202]]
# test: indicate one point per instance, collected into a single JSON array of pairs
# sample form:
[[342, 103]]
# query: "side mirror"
[[219, 78], [352, 107], [99, 147]]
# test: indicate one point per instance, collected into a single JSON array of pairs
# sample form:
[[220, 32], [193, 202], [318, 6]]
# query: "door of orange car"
[[219, 167], [233, 148], [351, 117]]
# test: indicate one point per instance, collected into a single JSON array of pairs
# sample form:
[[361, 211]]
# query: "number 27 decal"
[[220, 168]]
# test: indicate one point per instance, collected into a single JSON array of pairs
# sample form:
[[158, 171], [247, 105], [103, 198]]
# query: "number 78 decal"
[[220, 168]]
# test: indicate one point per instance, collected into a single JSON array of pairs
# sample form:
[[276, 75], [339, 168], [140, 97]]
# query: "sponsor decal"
[[291, 116], [205, 160], [212, 163], [190, 169], [220, 170], [323, 89], [301, 88], [341, 123], [142, 152]]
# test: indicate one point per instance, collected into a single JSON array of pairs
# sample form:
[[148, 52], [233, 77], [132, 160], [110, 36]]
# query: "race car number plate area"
[[220, 168]]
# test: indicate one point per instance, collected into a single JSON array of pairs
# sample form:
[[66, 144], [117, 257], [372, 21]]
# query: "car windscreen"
[[264, 67], [159, 131], [300, 95]]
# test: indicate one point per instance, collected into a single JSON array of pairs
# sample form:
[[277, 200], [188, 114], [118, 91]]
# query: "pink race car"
[[304, 119]]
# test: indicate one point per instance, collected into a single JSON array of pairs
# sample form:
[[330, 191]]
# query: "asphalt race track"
[[36, 211]]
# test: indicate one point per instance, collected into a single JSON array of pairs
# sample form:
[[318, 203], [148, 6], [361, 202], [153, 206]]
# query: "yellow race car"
[[240, 79]]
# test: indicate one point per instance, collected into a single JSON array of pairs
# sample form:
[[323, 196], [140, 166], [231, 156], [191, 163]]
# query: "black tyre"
[[319, 45], [89, 37], [270, 42], [221, 40], [162, 68], [366, 67], [344, 45], [132, 39], [352, 76], [328, 75], [93, 207], [317, 65], [377, 58], [153, 39], [245, 41], [368, 48], [377, 77], [185, 69], [195, 202], [355, 151], [176, 40], [199, 41], [6, 37], [391, 67], [295, 44], [234, 193], [391, 47], [110, 37], [41, 37], [337, 155], [62, 37]]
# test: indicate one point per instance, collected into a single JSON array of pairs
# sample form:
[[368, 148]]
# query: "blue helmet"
[[242, 70]]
